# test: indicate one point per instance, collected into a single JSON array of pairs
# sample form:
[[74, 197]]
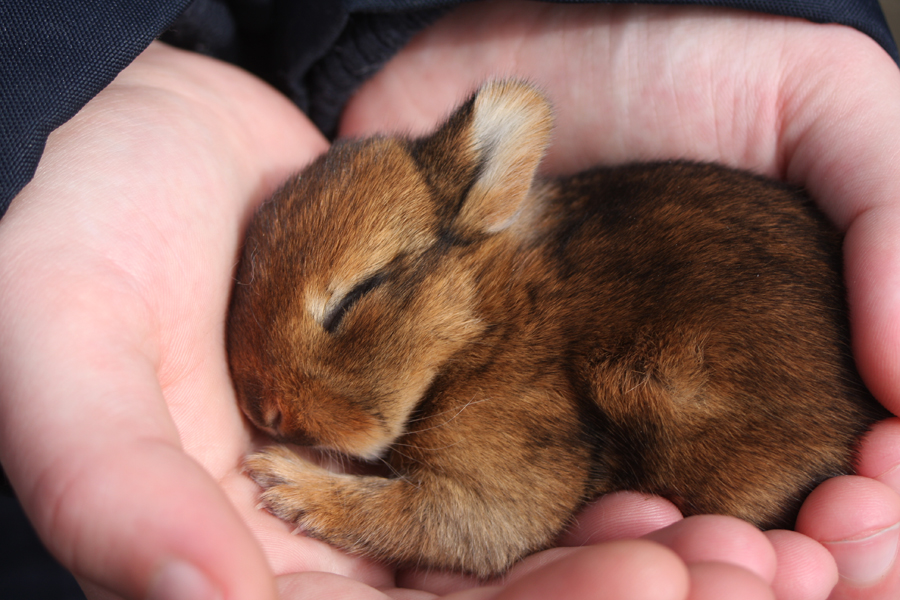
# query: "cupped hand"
[[814, 105], [118, 425]]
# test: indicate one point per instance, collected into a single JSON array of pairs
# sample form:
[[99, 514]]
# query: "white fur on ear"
[[510, 130]]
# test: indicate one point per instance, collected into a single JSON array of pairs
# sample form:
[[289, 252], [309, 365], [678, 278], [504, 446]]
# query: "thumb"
[[157, 527], [96, 459]]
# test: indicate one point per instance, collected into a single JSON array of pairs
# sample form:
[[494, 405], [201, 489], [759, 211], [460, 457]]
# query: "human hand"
[[811, 104], [118, 425]]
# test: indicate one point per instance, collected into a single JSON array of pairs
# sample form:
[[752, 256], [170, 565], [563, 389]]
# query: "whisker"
[[459, 412], [443, 412], [393, 470], [425, 447], [406, 456]]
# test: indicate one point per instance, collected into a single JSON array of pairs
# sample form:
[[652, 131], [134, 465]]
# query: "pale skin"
[[118, 425]]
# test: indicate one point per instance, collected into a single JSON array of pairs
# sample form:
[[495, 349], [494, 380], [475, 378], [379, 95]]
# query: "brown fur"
[[512, 348]]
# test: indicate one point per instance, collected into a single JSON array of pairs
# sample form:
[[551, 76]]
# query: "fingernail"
[[179, 580], [865, 561]]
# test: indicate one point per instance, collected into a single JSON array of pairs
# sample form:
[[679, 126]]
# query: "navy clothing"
[[55, 55], [27, 571]]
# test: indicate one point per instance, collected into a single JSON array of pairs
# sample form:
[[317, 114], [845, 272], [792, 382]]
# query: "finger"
[[316, 585], [879, 454], [841, 140], [715, 538], [86, 432], [623, 570], [439, 583], [620, 515], [872, 265], [806, 570], [635, 576], [858, 521], [116, 499], [714, 581]]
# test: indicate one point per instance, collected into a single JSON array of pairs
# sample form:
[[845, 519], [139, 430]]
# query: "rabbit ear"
[[487, 153], [510, 128]]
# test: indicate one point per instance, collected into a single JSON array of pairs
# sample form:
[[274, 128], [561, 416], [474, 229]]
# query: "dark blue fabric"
[[316, 53], [27, 571]]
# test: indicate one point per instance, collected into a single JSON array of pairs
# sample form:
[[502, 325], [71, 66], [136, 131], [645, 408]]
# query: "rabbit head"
[[353, 292]]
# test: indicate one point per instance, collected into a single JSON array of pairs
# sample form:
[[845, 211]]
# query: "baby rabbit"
[[514, 347]]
